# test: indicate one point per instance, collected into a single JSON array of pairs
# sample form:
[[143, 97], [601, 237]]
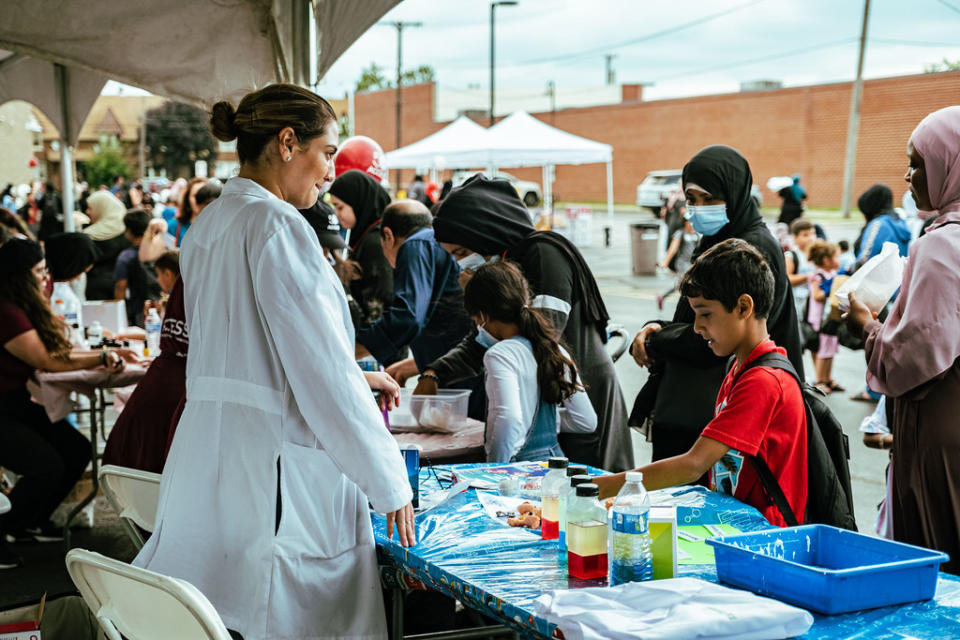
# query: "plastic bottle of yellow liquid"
[[550, 496], [587, 534]]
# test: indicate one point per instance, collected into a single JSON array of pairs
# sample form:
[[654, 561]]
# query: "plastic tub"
[[826, 569], [443, 413]]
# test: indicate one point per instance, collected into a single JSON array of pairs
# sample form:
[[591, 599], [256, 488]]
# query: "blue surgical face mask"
[[471, 263], [708, 219], [484, 338]]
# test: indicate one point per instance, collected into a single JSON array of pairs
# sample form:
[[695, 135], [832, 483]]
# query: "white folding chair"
[[134, 495], [141, 604], [4, 503]]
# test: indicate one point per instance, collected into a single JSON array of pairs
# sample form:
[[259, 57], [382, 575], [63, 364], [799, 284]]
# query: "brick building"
[[797, 130]]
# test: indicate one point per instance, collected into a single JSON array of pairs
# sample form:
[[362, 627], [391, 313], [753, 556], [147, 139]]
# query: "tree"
[[106, 164], [372, 78], [944, 65], [178, 134]]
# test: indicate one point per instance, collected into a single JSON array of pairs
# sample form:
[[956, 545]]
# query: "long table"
[[499, 571]]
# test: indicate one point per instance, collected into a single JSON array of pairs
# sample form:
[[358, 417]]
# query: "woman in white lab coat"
[[263, 502]]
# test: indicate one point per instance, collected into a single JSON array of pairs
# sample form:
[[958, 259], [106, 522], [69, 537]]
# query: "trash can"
[[644, 243]]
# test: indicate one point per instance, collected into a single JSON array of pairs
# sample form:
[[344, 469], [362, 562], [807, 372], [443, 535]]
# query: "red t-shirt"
[[761, 413], [14, 372]]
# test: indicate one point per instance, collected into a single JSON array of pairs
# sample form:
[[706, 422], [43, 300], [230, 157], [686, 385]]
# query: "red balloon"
[[362, 153], [32, 162]]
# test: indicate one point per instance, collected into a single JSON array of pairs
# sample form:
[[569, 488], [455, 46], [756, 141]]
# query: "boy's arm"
[[671, 472]]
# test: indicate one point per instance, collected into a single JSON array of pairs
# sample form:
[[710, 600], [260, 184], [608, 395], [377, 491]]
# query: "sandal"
[[863, 396], [823, 387], [835, 386]]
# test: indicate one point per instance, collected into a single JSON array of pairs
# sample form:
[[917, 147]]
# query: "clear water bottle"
[[72, 307], [152, 325], [95, 334], [59, 308], [550, 498], [576, 475], [630, 558]]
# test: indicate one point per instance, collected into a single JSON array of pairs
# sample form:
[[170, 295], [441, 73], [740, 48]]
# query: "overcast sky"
[[796, 41]]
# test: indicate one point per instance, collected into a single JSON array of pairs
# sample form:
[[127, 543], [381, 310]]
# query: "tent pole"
[[610, 190], [66, 150]]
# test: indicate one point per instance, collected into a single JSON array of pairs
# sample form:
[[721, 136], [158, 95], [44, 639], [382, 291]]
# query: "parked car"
[[528, 191], [653, 191]]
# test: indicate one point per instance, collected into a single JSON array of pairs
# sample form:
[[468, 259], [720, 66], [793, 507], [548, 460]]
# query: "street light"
[[493, 8]]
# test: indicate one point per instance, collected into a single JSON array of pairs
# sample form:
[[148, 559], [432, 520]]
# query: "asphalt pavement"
[[631, 301]]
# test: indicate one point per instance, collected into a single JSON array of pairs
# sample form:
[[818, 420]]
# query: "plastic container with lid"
[[568, 493], [587, 534], [444, 412], [550, 498]]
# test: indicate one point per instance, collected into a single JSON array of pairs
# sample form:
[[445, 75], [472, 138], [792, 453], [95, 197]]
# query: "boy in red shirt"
[[760, 413]]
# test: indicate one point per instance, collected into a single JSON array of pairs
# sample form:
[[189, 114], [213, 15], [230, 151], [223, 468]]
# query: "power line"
[[741, 63], [914, 43], [644, 38], [949, 6]]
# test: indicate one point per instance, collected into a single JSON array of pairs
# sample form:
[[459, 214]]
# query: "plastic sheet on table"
[[499, 570]]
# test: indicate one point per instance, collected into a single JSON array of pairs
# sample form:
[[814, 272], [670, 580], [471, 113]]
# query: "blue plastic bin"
[[826, 569]]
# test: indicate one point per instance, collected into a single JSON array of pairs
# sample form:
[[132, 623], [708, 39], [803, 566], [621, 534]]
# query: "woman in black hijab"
[[685, 375], [359, 201], [484, 220], [69, 255]]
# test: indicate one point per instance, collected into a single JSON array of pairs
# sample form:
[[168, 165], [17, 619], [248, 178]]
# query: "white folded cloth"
[[670, 609]]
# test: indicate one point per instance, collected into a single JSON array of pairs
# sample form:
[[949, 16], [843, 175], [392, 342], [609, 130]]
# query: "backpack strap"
[[774, 490]]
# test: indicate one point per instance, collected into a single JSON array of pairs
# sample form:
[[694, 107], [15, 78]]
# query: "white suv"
[[528, 191], [653, 191]]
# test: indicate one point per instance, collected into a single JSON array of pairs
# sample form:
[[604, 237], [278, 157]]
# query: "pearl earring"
[[288, 158]]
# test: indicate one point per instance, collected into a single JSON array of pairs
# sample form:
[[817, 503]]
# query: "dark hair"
[[727, 271], [19, 287], [875, 200], [262, 114], [844, 246], [404, 217], [498, 291], [800, 225], [186, 213], [14, 223], [208, 193], [169, 261], [136, 221], [821, 250]]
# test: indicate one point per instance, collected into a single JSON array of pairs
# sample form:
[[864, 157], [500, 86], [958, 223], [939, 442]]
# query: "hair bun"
[[223, 121]]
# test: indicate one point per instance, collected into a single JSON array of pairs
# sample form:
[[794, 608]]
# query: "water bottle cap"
[[634, 476], [580, 479], [558, 463], [576, 470], [588, 490]]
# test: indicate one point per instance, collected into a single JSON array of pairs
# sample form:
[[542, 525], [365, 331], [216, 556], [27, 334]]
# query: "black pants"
[[49, 456]]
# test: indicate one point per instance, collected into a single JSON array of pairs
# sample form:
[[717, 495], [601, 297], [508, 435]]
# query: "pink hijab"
[[921, 337]]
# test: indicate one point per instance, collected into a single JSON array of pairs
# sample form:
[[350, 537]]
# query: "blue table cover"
[[500, 570]]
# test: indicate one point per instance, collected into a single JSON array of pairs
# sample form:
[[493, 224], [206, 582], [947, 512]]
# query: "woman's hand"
[[129, 356], [858, 316], [387, 386], [403, 370], [639, 348], [426, 386], [112, 360], [347, 270], [406, 527]]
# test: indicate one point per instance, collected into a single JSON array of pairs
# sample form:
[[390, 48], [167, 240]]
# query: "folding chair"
[[141, 604], [134, 495]]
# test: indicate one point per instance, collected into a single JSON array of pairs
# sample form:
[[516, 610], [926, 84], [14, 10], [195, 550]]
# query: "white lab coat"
[[272, 383]]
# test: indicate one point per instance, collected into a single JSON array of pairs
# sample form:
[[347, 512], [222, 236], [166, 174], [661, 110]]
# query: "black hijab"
[[18, 256], [483, 215], [487, 216], [70, 254], [367, 198], [725, 173], [875, 201]]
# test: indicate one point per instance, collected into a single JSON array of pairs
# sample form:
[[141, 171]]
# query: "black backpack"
[[829, 494]]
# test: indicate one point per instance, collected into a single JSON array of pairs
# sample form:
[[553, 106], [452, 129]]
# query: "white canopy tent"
[[58, 55], [462, 143], [520, 140]]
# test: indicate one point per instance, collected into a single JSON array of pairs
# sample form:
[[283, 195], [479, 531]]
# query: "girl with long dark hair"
[[529, 375], [49, 456]]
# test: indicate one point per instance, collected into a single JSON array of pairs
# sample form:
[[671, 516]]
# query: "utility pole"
[[143, 146], [493, 8], [400, 26], [552, 92], [611, 74], [853, 127]]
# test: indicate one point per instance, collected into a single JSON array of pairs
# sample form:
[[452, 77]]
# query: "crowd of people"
[[299, 267]]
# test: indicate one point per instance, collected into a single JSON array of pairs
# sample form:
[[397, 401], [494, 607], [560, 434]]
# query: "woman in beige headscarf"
[[106, 214]]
